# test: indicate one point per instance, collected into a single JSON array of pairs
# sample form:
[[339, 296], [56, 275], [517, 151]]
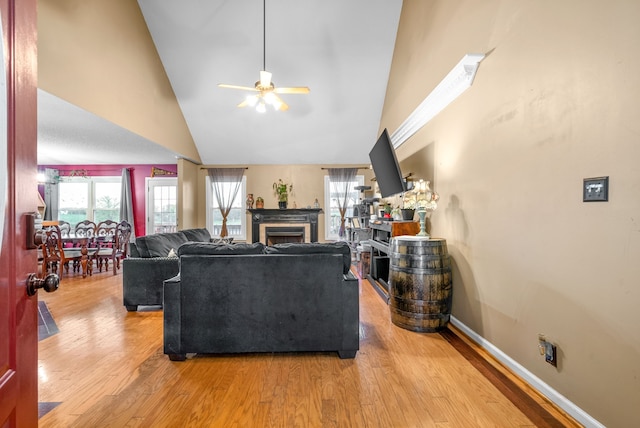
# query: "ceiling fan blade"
[[243, 104], [296, 90], [283, 107], [244, 88], [279, 104]]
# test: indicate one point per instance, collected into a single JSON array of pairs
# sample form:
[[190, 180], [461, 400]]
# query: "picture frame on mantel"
[[595, 189]]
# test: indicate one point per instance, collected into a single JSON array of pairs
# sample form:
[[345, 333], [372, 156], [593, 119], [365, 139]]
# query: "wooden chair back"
[[85, 229], [121, 243], [65, 228], [106, 230], [117, 248], [52, 251]]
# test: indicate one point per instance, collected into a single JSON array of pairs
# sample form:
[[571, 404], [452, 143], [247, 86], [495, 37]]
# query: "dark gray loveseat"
[[149, 264], [242, 298]]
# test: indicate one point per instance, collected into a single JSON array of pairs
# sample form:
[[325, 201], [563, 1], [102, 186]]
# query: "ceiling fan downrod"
[[264, 35]]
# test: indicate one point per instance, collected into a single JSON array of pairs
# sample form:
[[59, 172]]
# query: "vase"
[[422, 215], [282, 205], [259, 204], [407, 214]]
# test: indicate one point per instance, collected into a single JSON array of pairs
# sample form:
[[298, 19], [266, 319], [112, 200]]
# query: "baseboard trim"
[[541, 387]]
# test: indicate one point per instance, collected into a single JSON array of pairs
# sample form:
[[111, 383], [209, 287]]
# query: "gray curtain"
[[225, 195], [340, 179], [51, 193], [126, 202]]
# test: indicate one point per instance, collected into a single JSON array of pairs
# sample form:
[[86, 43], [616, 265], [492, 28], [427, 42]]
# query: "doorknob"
[[48, 283]]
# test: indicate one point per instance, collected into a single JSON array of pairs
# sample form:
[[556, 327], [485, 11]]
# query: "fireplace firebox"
[[281, 235]]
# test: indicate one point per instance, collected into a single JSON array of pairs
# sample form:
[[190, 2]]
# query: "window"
[[162, 201], [95, 198], [332, 213], [237, 218]]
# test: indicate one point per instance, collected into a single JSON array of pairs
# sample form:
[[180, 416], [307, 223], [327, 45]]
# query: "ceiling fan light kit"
[[267, 91]]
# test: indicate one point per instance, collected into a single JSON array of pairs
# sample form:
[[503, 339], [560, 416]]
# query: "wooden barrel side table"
[[420, 284]]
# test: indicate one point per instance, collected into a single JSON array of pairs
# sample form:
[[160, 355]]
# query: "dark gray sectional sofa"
[[243, 298], [149, 264]]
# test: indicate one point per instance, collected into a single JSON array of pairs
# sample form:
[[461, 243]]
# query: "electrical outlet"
[[547, 349], [550, 354]]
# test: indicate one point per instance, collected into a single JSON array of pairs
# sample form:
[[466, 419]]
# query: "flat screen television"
[[385, 167]]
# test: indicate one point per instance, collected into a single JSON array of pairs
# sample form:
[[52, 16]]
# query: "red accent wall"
[[138, 175]]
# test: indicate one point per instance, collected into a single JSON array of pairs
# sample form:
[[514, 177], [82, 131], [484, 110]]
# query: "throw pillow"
[[225, 240], [158, 245], [197, 235]]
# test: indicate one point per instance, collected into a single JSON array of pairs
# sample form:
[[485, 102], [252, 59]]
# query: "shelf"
[[380, 246], [381, 233]]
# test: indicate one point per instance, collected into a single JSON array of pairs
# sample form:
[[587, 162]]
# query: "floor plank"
[[106, 368]]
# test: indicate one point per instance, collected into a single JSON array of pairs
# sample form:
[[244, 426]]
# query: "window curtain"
[[341, 179], [225, 195], [126, 202], [51, 193]]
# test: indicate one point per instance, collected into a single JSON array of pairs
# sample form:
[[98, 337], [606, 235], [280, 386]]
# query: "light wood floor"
[[107, 369]]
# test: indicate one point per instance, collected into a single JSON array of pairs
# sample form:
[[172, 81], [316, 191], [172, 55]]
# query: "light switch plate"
[[595, 189]]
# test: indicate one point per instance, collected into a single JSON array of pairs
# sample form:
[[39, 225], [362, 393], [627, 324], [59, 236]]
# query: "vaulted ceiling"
[[341, 50]]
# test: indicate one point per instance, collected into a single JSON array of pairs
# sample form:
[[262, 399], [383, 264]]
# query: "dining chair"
[[85, 229], [106, 229], [55, 258], [84, 236], [65, 228], [105, 237], [120, 244]]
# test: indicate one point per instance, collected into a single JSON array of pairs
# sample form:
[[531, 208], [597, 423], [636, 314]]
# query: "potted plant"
[[387, 211], [396, 213], [408, 206], [259, 202], [281, 190]]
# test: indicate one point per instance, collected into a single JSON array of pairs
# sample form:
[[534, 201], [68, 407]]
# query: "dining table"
[[83, 249]]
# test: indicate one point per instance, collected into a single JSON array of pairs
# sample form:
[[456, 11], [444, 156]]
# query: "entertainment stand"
[[381, 233]]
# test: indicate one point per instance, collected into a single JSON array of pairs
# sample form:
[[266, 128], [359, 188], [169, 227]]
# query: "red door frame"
[[18, 312]]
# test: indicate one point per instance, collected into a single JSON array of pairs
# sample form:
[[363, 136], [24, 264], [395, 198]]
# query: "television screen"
[[385, 167]]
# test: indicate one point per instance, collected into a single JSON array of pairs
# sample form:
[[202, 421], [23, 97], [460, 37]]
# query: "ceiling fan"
[[267, 92]]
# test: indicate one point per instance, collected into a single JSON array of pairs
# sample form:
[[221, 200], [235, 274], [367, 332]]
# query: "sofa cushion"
[[160, 244], [211, 249], [339, 247], [197, 235], [133, 250]]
